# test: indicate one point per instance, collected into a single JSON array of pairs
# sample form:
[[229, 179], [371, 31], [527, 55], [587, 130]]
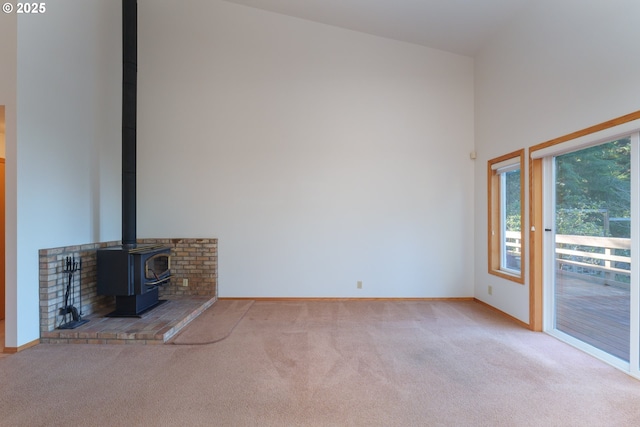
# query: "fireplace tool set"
[[71, 268]]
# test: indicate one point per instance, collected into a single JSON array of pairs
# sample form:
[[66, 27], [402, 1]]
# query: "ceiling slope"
[[456, 26]]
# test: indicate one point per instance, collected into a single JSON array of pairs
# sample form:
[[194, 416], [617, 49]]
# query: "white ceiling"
[[457, 26]]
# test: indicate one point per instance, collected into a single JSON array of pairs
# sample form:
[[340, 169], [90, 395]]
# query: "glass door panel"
[[593, 246]]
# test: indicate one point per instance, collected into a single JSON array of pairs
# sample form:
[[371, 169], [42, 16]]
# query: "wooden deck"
[[594, 313]]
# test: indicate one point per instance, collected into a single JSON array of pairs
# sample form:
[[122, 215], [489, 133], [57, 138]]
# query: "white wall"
[[8, 60], [68, 127], [318, 156], [560, 67]]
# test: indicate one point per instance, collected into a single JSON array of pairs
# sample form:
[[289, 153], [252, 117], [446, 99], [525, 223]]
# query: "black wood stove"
[[131, 272]]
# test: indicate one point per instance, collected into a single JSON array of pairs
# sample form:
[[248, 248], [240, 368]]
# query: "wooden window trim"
[[493, 203]]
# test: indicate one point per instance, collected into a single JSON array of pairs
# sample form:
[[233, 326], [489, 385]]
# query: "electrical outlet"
[[359, 285], [185, 282], [490, 290]]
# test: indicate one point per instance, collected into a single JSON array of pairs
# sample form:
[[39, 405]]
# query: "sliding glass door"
[[584, 222], [591, 246]]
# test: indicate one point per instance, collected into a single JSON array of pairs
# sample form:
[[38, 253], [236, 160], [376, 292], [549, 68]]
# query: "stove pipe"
[[129, 102]]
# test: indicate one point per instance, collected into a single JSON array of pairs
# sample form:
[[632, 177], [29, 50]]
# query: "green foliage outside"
[[512, 200], [593, 192], [593, 196]]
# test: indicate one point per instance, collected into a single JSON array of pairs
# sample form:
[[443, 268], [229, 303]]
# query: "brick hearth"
[[192, 289], [155, 327]]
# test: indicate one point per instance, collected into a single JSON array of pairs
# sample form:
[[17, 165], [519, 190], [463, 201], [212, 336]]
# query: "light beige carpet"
[[215, 324], [315, 363]]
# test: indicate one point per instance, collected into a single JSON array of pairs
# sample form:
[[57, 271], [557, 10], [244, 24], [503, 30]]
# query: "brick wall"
[[53, 283], [195, 260]]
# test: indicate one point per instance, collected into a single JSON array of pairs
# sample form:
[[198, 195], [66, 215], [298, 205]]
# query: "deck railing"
[[513, 248], [605, 260]]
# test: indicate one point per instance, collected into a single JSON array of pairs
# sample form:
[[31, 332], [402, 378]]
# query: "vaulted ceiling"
[[457, 26]]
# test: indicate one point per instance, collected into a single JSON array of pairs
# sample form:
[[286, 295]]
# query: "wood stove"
[[133, 273]]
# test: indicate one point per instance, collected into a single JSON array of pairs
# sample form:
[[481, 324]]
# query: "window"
[[505, 216]]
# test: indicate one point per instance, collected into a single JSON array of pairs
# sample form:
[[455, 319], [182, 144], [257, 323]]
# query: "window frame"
[[496, 249]]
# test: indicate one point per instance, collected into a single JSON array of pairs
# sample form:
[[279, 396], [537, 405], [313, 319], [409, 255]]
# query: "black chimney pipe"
[[129, 104]]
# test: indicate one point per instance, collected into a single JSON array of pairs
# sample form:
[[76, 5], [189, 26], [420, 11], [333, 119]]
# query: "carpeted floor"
[[342, 363]]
